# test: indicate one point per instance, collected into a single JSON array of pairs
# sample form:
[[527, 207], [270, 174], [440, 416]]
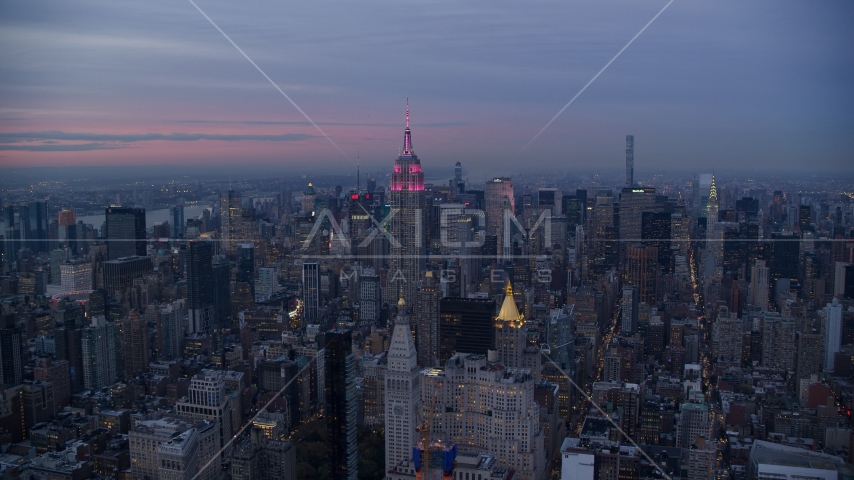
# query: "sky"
[[759, 85]]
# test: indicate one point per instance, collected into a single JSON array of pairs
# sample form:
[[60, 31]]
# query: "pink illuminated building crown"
[[407, 173]]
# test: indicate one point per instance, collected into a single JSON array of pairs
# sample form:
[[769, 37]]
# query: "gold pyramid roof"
[[509, 312]]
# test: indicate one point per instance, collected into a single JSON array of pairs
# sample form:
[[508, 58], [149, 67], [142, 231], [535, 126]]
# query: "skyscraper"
[[713, 238], [727, 337], [266, 284], [407, 201], [340, 409], [785, 257], [57, 256], [119, 274], [402, 394], [465, 325], [125, 232], [38, 226], [693, 421], [656, 232], [360, 222], [642, 271], [99, 347], [309, 197], [370, 298], [629, 321], [832, 332], [55, 372], [11, 352], [550, 198], [427, 321], [712, 205], [457, 184], [177, 221], [634, 202], [200, 288], [499, 197], [135, 344], [231, 211], [759, 277], [509, 335], [310, 290], [68, 335], [778, 342], [246, 265], [170, 331], [574, 211], [630, 161], [207, 399], [75, 275], [221, 268], [807, 363]]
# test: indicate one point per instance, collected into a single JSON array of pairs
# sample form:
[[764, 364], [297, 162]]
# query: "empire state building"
[[406, 194]]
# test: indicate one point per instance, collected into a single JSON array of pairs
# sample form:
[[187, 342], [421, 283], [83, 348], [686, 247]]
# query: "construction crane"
[[421, 451]]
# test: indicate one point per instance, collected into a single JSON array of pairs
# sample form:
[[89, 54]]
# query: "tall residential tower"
[[630, 161]]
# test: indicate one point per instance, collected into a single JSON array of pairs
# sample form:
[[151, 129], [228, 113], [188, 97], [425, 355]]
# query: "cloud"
[[295, 122], [445, 124], [334, 124], [77, 147], [54, 135], [56, 141]]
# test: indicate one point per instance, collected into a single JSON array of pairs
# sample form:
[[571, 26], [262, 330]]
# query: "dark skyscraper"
[[459, 187], [340, 412], [427, 322], [655, 232], [38, 226], [200, 288], [177, 221], [11, 352], [360, 223], [804, 217], [310, 290], [465, 325], [134, 334], [119, 274], [629, 319], [785, 254], [71, 317], [734, 252], [246, 265], [573, 209], [231, 211], [581, 195], [222, 292], [746, 209], [642, 271], [125, 232], [550, 198], [630, 161]]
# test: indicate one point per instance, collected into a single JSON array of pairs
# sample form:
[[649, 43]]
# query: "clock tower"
[[402, 393]]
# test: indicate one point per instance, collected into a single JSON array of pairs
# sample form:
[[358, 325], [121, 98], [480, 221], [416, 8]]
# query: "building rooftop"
[[768, 453]]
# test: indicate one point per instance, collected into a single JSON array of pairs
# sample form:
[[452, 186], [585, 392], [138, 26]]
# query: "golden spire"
[[509, 312]]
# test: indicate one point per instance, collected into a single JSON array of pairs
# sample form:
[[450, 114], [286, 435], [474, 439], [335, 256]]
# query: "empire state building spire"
[[407, 134]]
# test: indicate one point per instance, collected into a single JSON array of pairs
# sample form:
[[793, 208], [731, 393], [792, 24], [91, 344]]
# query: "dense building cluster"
[[523, 328]]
